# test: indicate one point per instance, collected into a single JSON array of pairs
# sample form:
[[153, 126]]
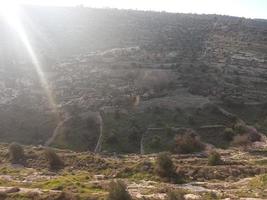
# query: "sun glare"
[[10, 11]]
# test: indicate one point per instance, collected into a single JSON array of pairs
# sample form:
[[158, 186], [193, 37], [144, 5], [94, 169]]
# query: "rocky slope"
[[131, 70]]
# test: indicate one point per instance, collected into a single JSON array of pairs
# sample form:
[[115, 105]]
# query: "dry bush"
[[3, 195], [54, 160], [165, 168], [118, 191], [175, 195], [214, 158], [253, 134], [241, 140], [188, 143], [16, 153]]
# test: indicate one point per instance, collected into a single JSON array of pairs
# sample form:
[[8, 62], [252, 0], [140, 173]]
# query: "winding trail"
[[100, 138], [142, 151], [56, 132], [61, 124]]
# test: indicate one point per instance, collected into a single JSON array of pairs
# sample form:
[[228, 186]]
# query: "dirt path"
[[56, 132]]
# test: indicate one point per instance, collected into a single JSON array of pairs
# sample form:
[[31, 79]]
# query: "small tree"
[[54, 160], [118, 191], [214, 158], [164, 166], [16, 153]]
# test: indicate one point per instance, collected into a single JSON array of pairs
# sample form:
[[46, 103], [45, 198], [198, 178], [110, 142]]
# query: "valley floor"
[[87, 176]]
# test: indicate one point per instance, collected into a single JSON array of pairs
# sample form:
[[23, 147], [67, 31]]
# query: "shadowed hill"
[[138, 69]]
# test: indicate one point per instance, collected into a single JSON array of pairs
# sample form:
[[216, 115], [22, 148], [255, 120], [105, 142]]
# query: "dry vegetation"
[[220, 174]]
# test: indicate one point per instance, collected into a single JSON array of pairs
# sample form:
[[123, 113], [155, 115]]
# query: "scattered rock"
[[99, 177], [192, 197], [12, 190]]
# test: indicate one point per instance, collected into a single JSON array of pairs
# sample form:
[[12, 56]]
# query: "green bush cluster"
[[241, 135]]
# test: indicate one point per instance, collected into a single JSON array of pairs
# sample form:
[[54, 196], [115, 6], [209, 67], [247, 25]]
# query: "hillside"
[[122, 73]]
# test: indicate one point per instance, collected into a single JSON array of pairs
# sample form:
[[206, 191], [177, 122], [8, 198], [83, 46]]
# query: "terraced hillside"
[[116, 74], [87, 176]]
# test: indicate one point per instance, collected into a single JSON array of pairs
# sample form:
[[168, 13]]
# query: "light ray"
[[10, 13]]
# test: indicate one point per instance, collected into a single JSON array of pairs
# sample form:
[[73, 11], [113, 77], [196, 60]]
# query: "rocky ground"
[[243, 175]]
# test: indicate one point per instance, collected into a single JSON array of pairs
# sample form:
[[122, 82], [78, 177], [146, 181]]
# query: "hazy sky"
[[243, 8]]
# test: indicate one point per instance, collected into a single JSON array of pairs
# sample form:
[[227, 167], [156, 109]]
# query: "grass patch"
[[261, 162], [259, 182]]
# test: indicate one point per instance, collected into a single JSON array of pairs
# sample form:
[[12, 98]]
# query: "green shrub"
[[228, 134], [16, 153], [118, 191], [240, 128], [214, 158], [155, 142], [164, 166], [54, 160], [112, 139], [191, 120], [188, 143]]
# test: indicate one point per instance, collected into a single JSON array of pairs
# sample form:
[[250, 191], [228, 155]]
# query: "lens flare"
[[10, 12]]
